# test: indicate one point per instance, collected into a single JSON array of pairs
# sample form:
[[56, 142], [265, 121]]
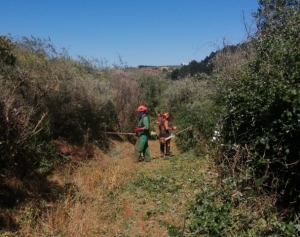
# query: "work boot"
[[141, 158], [162, 148], [168, 151]]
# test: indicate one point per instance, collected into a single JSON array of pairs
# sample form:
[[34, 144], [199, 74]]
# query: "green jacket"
[[144, 122]]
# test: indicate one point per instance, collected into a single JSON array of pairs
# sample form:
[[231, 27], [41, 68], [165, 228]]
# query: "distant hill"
[[206, 66]]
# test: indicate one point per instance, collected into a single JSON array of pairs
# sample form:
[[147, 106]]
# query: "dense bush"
[[221, 208], [24, 127], [45, 95], [258, 96], [189, 103], [261, 124], [150, 91], [125, 96], [129, 89]]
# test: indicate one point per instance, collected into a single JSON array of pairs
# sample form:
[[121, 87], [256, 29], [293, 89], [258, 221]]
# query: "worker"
[[164, 132], [142, 131]]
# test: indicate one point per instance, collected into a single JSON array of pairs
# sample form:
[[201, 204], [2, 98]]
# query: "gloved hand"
[[137, 129], [174, 127]]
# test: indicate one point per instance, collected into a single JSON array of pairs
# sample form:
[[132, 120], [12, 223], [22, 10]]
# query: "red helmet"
[[166, 115], [142, 108]]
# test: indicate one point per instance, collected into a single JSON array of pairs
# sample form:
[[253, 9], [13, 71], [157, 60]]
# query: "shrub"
[[25, 135], [150, 91], [125, 95], [189, 103], [47, 96], [263, 103], [224, 209]]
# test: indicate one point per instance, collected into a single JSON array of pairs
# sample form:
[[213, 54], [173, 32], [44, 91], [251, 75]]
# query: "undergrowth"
[[230, 208], [170, 189]]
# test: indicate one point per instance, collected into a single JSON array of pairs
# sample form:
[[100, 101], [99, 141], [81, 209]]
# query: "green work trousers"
[[142, 150]]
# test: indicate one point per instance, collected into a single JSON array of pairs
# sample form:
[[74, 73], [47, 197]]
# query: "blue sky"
[[141, 32]]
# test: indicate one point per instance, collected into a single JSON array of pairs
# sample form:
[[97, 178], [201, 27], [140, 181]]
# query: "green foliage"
[[156, 185], [150, 89], [24, 126], [174, 231], [189, 102], [76, 113], [194, 68], [44, 95], [212, 214], [125, 95], [263, 104], [129, 89], [7, 57], [190, 138], [17, 142], [175, 74], [223, 209], [6, 51]]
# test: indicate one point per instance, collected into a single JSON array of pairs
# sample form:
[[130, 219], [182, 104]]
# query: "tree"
[[272, 12], [175, 74]]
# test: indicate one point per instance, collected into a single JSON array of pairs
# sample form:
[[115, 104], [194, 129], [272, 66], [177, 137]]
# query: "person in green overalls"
[[142, 151]]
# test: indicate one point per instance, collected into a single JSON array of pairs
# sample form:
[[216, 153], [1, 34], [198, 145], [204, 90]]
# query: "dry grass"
[[109, 195]]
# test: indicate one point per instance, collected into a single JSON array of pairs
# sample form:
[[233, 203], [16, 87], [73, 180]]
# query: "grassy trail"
[[111, 195], [153, 198]]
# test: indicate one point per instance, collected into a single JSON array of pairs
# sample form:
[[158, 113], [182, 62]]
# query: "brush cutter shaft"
[[173, 135], [169, 137], [121, 133]]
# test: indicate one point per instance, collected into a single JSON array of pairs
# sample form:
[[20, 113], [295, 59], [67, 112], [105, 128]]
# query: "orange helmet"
[[166, 115], [142, 108]]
